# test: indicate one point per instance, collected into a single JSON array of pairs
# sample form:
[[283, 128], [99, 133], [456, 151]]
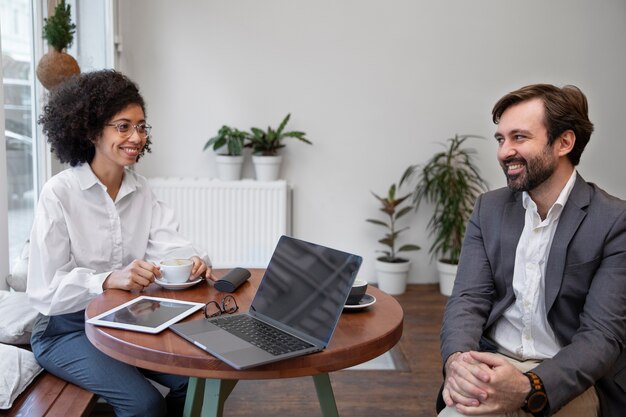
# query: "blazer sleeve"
[[472, 298]]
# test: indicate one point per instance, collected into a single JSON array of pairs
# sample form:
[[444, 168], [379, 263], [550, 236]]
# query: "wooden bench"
[[50, 396]]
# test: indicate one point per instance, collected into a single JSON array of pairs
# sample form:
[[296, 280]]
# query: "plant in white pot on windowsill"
[[265, 145], [451, 182], [392, 270], [229, 164]]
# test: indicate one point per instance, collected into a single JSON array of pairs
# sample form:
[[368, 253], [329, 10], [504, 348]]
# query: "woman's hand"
[[135, 276], [200, 268]]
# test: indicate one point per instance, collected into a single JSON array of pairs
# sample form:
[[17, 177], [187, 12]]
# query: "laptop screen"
[[306, 285]]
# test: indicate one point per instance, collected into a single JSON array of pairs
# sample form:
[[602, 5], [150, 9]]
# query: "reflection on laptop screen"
[[311, 282]]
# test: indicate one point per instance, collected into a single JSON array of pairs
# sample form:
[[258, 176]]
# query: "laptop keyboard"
[[261, 335]]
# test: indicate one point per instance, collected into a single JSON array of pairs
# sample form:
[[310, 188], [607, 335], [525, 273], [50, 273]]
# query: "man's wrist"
[[536, 402], [451, 358]]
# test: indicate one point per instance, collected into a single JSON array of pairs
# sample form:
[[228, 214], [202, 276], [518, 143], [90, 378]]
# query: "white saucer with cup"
[[176, 271]]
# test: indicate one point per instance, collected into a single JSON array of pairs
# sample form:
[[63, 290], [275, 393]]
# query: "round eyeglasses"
[[228, 305], [126, 129]]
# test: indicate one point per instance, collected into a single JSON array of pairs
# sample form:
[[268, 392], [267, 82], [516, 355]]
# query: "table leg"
[[215, 394], [193, 402], [325, 395], [206, 397]]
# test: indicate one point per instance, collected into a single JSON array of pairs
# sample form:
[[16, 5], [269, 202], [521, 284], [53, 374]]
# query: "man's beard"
[[536, 171]]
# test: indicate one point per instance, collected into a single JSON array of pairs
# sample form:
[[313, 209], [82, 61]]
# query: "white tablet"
[[146, 314]]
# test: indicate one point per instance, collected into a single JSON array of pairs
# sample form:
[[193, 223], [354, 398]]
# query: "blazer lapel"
[[511, 230], [569, 221]]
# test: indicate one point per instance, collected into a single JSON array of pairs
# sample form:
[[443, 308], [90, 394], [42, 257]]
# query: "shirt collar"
[[129, 183], [560, 201], [87, 179]]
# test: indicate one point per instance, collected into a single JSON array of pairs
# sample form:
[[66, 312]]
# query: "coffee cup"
[[357, 292], [176, 271]]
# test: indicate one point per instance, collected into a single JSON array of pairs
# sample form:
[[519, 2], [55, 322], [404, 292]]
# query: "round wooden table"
[[361, 335]]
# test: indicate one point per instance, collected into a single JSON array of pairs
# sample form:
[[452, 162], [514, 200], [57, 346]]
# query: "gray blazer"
[[585, 288]]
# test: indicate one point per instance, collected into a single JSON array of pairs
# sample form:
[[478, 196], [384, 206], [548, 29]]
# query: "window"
[[27, 160], [19, 129]]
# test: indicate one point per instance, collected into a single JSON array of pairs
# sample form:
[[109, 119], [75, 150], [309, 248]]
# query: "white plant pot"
[[447, 274], [392, 277], [267, 168], [229, 167]]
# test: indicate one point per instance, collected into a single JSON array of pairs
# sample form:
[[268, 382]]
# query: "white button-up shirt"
[[80, 235], [523, 331]]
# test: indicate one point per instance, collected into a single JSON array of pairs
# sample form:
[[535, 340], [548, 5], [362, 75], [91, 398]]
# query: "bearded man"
[[536, 323]]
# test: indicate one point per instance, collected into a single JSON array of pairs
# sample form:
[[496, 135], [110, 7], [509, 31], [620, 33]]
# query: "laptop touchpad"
[[245, 355], [220, 341]]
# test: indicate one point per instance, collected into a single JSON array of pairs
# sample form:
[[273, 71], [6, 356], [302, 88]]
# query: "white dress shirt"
[[523, 331], [80, 235]]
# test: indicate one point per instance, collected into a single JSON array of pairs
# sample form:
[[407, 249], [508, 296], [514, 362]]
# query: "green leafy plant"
[[58, 29], [451, 182], [391, 207], [230, 137], [267, 142]]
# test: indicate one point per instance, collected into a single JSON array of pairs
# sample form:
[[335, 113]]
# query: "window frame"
[[4, 210], [45, 164]]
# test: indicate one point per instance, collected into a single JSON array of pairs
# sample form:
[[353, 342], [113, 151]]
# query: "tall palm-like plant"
[[451, 182]]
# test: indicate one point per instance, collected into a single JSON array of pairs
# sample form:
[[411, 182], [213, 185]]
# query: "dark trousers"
[[62, 348]]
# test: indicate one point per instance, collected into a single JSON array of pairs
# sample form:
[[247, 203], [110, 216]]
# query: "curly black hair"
[[78, 109]]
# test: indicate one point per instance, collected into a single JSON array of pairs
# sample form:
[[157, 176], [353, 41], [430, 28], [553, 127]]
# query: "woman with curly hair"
[[98, 226]]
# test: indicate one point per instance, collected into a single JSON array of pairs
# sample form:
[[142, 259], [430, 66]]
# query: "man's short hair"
[[565, 109]]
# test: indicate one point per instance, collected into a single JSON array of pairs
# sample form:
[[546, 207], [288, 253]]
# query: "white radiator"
[[237, 222]]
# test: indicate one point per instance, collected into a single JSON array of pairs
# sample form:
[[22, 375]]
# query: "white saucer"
[[177, 286], [366, 301]]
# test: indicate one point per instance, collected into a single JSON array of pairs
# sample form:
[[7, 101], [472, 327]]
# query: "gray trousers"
[[62, 348]]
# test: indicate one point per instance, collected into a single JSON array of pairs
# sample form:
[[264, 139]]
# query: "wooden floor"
[[409, 391]]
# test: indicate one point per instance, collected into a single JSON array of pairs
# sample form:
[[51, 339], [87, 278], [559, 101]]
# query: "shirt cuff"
[[96, 281]]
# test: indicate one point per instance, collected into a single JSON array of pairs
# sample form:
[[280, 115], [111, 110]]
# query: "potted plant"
[[451, 182], [265, 145], [56, 65], [228, 164], [392, 270]]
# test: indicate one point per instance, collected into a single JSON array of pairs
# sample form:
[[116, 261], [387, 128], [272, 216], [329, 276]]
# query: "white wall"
[[374, 83]]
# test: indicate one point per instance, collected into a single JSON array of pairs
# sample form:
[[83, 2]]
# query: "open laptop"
[[301, 296]]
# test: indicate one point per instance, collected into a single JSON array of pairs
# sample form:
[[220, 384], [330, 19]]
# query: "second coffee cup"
[[357, 292]]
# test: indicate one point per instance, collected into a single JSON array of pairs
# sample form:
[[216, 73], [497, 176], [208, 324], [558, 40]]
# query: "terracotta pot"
[[55, 67]]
